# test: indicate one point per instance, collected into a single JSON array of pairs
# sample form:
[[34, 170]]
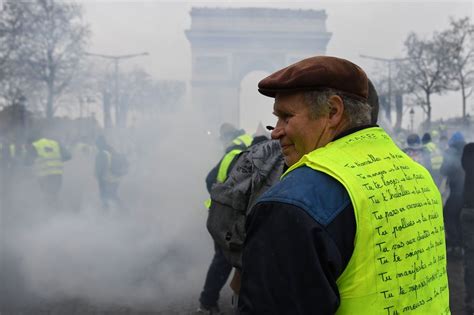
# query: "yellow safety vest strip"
[[225, 163], [244, 139], [436, 162], [13, 151], [109, 176], [431, 147], [436, 156], [49, 160], [399, 261]]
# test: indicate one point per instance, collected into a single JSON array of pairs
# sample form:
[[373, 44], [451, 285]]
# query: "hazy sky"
[[376, 28]]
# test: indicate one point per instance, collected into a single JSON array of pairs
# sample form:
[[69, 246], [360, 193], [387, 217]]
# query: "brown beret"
[[317, 73]]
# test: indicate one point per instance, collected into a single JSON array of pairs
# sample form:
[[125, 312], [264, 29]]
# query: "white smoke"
[[156, 252]]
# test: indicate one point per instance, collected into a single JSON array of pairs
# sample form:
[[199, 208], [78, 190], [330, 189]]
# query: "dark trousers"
[[216, 277], [452, 220], [109, 194], [467, 225]]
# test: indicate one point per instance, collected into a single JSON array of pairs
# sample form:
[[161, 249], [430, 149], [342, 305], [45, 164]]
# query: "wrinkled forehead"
[[289, 102]]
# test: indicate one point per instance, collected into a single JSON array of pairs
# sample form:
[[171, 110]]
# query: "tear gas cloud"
[[155, 252]]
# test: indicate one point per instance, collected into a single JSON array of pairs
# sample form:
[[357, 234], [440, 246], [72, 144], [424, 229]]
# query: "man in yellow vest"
[[48, 157], [256, 170], [355, 226], [235, 141]]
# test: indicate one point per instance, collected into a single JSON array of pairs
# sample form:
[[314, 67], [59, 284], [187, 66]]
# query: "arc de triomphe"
[[227, 44]]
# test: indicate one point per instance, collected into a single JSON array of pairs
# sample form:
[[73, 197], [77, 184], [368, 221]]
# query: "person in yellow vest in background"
[[234, 141], [48, 156], [110, 167], [436, 157], [355, 226]]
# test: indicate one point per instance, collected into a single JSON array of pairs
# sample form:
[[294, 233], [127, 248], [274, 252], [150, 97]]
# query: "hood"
[[457, 139]]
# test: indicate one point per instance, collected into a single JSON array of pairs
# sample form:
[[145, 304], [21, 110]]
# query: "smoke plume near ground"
[[154, 253]]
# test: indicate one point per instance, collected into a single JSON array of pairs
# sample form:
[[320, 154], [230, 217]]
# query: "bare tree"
[[425, 72], [134, 92], [50, 45], [459, 40], [139, 92], [169, 95], [394, 89], [82, 90], [12, 25]]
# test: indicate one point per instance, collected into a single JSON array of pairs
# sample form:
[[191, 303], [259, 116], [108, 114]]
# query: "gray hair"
[[358, 113]]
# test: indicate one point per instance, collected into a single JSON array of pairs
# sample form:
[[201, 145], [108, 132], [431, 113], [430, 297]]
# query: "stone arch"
[[254, 64], [227, 44], [254, 108]]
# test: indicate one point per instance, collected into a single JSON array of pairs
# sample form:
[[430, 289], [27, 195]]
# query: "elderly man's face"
[[297, 131]]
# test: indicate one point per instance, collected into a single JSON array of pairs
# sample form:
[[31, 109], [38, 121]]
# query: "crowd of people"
[[442, 158], [42, 158], [331, 215]]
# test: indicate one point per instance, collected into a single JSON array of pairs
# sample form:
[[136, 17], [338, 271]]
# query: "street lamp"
[[412, 116], [116, 59]]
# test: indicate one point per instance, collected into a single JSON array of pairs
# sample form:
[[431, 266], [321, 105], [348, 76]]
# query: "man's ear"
[[336, 110]]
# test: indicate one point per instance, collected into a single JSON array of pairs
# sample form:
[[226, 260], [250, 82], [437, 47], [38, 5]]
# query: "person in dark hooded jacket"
[[452, 169], [235, 141], [467, 224]]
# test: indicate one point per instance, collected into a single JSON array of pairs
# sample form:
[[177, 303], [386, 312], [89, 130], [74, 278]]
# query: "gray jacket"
[[257, 169]]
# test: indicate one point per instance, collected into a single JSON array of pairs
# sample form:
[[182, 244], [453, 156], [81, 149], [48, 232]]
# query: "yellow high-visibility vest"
[[49, 161], [399, 261], [436, 156]]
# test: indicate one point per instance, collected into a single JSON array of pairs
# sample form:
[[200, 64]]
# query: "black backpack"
[[119, 165]]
